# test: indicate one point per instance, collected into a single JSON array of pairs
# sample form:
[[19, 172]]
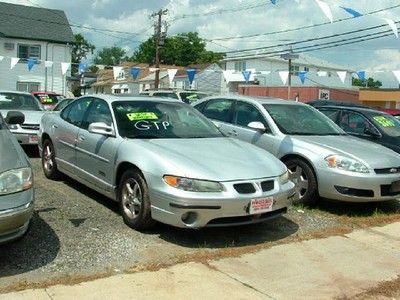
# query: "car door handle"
[[81, 137], [54, 126], [233, 133]]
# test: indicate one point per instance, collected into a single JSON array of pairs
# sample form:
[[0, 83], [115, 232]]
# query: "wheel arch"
[[122, 167], [290, 156]]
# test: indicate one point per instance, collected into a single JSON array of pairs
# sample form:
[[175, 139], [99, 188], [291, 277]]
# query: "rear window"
[[48, 99], [15, 101]]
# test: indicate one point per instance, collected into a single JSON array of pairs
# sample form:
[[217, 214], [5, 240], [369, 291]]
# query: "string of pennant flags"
[[229, 75]]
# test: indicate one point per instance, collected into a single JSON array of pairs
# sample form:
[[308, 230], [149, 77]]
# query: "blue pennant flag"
[[190, 74], [31, 63], [302, 76], [273, 1], [351, 11], [246, 75], [82, 68], [135, 72], [361, 75]]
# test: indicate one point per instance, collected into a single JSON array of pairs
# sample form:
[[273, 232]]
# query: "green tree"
[[182, 50], [370, 82], [110, 56], [80, 50]]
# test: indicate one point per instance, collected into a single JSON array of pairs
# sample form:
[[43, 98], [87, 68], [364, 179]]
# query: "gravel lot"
[[78, 233]]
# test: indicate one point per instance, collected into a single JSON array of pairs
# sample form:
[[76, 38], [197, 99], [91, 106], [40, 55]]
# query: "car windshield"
[[15, 101], [302, 120], [156, 119], [387, 123]]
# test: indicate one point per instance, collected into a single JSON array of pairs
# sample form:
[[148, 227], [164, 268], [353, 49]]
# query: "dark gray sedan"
[[16, 192], [163, 160]]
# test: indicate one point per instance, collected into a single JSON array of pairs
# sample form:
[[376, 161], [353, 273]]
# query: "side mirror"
[[257, 126], [101, 128], [14, 117], [372, 133]]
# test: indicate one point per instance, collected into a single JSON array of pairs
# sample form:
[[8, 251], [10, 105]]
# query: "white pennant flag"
[[14, 61], [342, 75], [116, 71], [64, 67], [227, 75], [100, 67], [151, 70], [171, 74], [393, 25], [397, 74], [48, 64], [284, 76], [325, 9], [1, 58], [322, 73]]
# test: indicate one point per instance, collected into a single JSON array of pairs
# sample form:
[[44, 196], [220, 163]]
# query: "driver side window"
[[75, 112], [98, 112], [246, 113]]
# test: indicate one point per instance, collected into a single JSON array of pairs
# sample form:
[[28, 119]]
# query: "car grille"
[[244, 188], [267, 185], [30, 126]]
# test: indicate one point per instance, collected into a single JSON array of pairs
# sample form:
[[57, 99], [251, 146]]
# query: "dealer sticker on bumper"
[[33, 139], [261, 205]]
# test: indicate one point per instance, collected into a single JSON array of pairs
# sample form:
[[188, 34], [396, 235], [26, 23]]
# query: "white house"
[[34, 33], [266, 70]]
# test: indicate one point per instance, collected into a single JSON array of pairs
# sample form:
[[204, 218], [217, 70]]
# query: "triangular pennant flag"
[[351, 11], [322, 73], [227, 75], [48, 64], [302, 76], [31, 63], [284, 76], [171, 74], [116, 71], [342, 75], [100, 67], [397, 74], [393, 25], [325, 9], [191, 73], [82, 68], [14, 61], [135, 72], [361, 75], [64, 67], [1, 58], [246, 75]]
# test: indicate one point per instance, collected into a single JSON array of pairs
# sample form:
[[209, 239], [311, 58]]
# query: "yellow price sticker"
[[385, 122], [137, 116]]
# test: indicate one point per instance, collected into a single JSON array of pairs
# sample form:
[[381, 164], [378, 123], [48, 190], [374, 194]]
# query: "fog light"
[[189, 217]]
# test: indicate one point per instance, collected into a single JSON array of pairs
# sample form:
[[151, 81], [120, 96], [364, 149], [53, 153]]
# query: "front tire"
[[301, 174], [49, 163], [134, 201]]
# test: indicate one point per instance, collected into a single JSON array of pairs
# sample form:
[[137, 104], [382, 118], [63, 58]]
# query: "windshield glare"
[[151, 119], [10, 101], [302, 120], [387, 123]]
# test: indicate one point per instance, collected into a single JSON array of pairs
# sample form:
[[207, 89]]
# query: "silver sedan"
[[162, 160], [322, 159]]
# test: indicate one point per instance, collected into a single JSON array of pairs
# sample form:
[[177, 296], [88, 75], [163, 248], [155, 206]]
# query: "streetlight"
[[289, 57]]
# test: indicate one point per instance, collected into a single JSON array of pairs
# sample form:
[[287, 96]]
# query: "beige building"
[[380, 98]]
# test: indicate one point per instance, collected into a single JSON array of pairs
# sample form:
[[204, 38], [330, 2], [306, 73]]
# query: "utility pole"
[[159, 41], [289, 57]]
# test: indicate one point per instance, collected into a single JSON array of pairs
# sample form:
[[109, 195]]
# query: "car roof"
[[354, 108], [260, 100], [15, 92], [44, 92], [127, 97]]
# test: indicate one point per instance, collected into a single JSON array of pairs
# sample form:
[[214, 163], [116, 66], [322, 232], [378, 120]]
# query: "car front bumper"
[[228, 208], [25, 137], [14, 221], [358, 187]]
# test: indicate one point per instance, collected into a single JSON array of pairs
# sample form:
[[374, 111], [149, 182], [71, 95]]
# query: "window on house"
[[121, 75], [295, 70], [117, 91], [28, 51], [306, 69], [240, 66], [28, 86]]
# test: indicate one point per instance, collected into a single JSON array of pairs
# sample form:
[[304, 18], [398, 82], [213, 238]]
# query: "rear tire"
[[134, 201], [49, 163], [302, 175]]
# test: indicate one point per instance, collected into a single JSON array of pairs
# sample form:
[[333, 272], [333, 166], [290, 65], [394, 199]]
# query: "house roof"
[[34, 23]]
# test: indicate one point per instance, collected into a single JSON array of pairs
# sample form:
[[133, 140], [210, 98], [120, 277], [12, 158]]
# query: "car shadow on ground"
[[222, 237], [31, 151], [36, 249], [367, 209]]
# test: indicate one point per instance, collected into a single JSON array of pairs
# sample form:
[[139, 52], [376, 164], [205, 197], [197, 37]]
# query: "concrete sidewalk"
[[335, 267]]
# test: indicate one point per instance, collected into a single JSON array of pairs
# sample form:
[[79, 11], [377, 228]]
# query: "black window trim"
[[358, 113], [231, 109], [265, 123]]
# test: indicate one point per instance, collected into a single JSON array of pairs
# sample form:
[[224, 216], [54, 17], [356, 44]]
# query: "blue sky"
[[231, 18]]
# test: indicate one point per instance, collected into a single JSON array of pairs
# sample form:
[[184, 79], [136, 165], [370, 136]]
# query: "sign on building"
[[324, 95]]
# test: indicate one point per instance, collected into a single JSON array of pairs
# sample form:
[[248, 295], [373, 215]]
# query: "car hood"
[[12, 156], [373, 154], [31, 116], [219, 159]]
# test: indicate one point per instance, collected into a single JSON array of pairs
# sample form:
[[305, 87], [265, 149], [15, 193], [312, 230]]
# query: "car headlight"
[[346, 163], [16, 180], [284, 178], [13, 126], [193, 185]]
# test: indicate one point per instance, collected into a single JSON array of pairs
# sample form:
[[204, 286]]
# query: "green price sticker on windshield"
[[138, 116], [384, 121]]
